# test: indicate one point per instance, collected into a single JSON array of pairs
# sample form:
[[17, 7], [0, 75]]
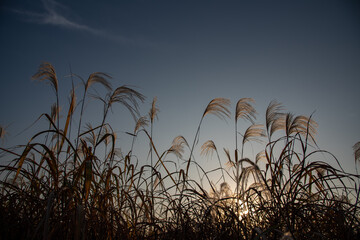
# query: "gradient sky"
[[305, 54]]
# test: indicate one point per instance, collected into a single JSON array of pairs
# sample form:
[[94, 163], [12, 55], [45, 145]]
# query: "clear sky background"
[[305, 54]]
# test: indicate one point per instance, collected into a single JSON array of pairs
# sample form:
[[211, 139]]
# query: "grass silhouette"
[[66, 183]]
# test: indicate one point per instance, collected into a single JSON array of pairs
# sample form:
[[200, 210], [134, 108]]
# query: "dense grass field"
[[70, 181]]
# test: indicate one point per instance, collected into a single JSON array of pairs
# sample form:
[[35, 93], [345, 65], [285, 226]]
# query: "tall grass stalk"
[[217, 107]]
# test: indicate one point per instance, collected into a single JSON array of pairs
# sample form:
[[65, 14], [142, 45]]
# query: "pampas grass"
[[73, 182]]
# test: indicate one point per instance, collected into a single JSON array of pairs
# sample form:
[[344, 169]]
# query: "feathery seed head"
[[154, 110], [3, 132], [47, 72], [98, 77], [253, 133], [54, 112], [260, 156], [218, 107], [141, 123], [225, 190], [127, 97], [177, 146], [300, 124], [356, 149], [208, 148], [274, 117], [245, 110], [229, 164]]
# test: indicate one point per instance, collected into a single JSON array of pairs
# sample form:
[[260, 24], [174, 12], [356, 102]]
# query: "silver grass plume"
[[127, 97], [254, 133], [177, 146], [153, 110], [47, 72], [208, 148], [300, 124], [218, 107], [229, 164], [3, 132], [245, 110], [356, 149], [141, 123], [98, 77], [274, 118], [260, 157], [54, 112]]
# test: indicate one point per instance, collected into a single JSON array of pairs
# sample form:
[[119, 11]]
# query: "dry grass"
[[58, 186]]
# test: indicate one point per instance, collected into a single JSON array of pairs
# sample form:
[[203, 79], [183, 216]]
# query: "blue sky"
[[305, 54]]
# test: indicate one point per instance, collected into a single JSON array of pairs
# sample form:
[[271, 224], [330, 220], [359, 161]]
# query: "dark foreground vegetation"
[[70, 181]]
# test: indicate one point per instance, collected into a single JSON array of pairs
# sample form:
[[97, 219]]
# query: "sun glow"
[[243, 209]]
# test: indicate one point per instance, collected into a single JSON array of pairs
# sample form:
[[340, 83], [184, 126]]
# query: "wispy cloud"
[[53, 16]]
